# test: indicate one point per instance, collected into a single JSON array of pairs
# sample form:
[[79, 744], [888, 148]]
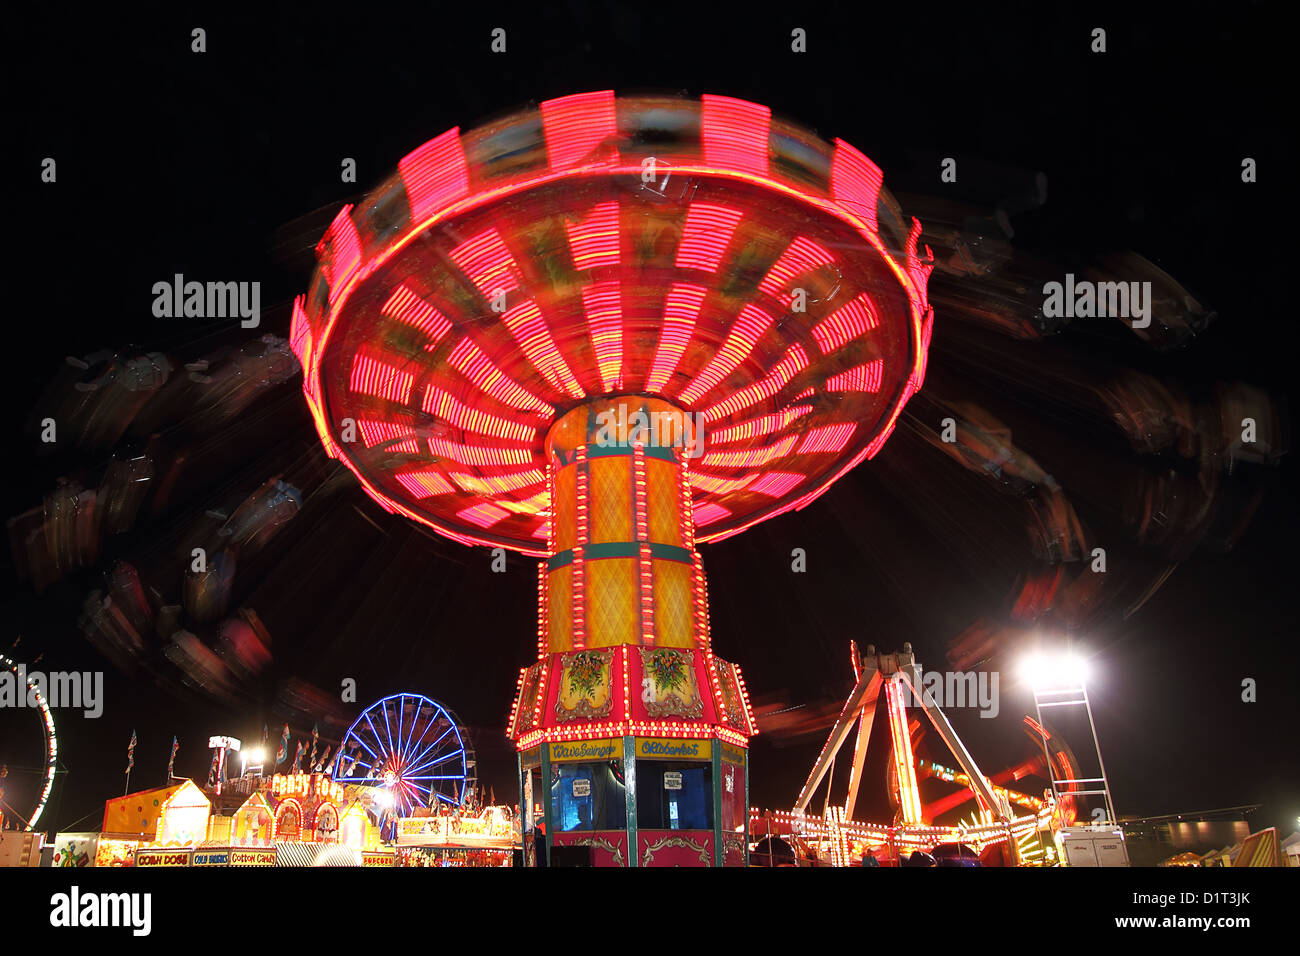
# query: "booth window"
[[589, 795], [674, 796], [733, 796]]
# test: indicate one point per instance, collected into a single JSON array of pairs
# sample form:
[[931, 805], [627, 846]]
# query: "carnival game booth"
[[488, 838], [309, 808], [305, 808], [292, 820], [173, 819], [138, 815], [74, 850], [299, 819]]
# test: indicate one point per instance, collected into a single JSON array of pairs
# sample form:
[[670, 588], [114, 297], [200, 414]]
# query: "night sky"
[[226, 165]]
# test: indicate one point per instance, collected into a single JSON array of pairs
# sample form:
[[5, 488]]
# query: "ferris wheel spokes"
[[403, 750], [420, 756], [430, 764], [411, 743]]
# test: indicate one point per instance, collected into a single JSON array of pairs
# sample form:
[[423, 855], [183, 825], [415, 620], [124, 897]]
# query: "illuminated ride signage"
[[662, 748], [610, 748]]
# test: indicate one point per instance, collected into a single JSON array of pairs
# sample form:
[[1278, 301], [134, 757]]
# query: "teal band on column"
[[524, 811], [629, 781], [620, 549], [745, 846], [546, 797], [566, 458], [717, 803], [614, 451]]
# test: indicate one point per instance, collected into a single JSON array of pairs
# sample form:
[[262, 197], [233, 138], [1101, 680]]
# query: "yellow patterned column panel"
[[562, 506], [613, 600], [674, 615], [559, 599], [663, 507], [609, 499]]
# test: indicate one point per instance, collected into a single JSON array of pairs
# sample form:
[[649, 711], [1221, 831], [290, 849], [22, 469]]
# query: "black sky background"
[[211, 165]]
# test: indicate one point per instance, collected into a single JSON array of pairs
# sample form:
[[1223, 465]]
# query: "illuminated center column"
[[631, 733], [624, 570]]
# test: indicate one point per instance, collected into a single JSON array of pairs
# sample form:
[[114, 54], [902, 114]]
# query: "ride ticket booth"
[[677, 802], [631, 732]]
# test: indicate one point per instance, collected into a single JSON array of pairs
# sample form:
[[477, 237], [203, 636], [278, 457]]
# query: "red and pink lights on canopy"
[[702, 252]]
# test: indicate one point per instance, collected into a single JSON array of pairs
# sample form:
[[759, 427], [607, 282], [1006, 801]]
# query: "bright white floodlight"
[[1061, 677], [1054, 672]]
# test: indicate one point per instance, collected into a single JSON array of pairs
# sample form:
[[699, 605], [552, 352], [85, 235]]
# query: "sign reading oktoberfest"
[[658, 748], [608, 748]]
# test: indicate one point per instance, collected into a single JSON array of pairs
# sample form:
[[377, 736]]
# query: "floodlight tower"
[[1061, 680], [599, 332]]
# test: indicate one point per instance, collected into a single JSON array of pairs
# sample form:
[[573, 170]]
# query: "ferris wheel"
[[50, 750], [413, 747]]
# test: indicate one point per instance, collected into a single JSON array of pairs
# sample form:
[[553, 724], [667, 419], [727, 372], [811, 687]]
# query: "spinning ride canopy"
[[703, 253]]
